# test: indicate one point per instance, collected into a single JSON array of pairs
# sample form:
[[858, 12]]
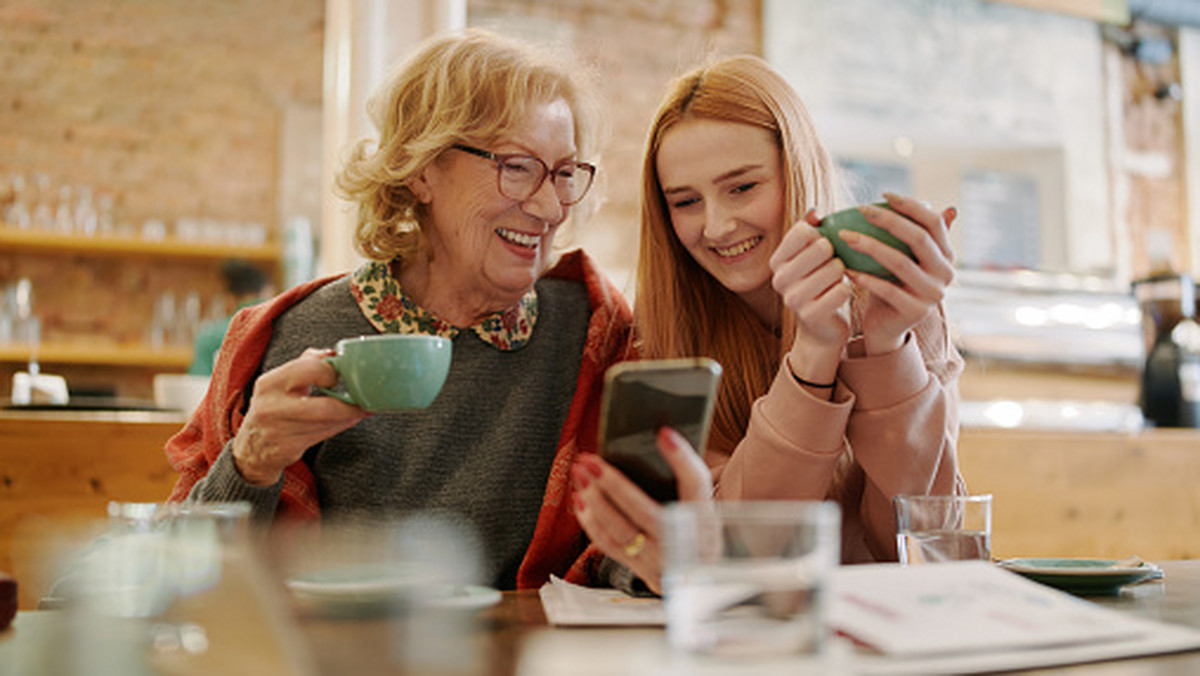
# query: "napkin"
[[569, 604]]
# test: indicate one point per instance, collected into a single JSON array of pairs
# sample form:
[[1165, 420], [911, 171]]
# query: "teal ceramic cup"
[[853, 219], [390, 372]]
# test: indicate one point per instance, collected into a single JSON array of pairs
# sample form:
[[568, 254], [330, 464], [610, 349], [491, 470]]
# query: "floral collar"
[[389, 310]]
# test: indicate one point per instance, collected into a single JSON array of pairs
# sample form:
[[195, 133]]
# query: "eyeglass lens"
[[521, 176]]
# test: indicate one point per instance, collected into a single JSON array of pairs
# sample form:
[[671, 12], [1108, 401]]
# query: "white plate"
[[470, 597], [377, 586], [364, 583]]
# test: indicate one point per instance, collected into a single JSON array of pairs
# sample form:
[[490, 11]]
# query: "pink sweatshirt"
[[891, 428]]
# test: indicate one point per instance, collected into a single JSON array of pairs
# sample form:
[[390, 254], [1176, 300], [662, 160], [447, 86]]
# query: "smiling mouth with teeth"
[[739, 248], [519, 238]]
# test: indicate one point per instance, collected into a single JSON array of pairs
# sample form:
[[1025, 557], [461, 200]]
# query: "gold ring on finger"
[[636, 545]]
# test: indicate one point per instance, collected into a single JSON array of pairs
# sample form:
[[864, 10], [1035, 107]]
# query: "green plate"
[[1082, 576], [853, 219]]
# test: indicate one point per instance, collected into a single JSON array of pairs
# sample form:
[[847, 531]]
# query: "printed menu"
[[951, 618]]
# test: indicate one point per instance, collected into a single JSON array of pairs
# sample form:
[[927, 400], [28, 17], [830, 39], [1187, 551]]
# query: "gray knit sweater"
[[481, 452]]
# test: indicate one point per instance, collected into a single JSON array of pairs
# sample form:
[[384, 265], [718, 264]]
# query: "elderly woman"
[[479, 162]]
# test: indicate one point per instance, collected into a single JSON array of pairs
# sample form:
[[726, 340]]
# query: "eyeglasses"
[[520, 176]]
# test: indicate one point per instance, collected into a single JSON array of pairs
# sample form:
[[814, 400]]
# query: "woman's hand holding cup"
[[284, 420], [388, 372], [894, 307]]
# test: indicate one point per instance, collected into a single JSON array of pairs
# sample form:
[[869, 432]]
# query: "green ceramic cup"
[[390, 372], [853, 219]]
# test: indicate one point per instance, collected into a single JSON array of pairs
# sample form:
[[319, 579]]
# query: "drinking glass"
[[126, 573], [18, 213], [87, 220], [104, 217], [64, 213], [749, 579], [937, 528], [8, 314], [178, 588], [43, 213], [162, 323], [153, 553]]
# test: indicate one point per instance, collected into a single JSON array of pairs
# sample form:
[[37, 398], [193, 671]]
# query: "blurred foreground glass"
[[415, 577], [174, 588], [153, 553], [936, 528], [749, 579]]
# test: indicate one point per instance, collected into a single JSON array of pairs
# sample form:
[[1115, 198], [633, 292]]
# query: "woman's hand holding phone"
[[621, 519]]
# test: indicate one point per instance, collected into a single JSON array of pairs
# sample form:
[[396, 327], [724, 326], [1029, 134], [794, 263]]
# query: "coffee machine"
[[1170, 383]]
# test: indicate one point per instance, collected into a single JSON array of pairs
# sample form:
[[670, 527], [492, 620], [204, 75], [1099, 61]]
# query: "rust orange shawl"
[[558, 542]]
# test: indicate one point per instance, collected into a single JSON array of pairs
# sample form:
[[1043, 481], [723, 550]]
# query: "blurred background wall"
[[208, 125]]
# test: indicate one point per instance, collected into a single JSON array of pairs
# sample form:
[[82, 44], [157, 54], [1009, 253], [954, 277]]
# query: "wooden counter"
[[1056, 493], [1102, 495], [1085, 494], [58, 471]]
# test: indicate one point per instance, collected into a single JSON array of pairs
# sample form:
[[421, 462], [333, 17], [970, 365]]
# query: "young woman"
[[837, 385]]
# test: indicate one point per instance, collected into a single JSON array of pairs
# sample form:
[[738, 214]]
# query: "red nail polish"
[[577, 499], [580, 475], [590, 463], [666, 437]]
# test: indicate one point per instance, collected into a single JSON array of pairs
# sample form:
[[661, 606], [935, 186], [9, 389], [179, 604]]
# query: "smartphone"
[[642, 396]]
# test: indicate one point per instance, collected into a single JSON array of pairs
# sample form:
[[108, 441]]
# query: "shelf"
[[168, 358], [13, 239]]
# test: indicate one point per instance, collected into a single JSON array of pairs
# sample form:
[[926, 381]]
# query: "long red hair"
[[683, 311]]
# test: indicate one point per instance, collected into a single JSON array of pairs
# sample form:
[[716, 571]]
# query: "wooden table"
[[370, 646], [361, 647], [493, 641], [1175, 599]]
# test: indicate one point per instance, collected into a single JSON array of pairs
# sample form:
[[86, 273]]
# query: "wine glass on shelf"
[[85, 218], [162, 322], [64, 213], [104, 219], [18, 214], [43, 213]]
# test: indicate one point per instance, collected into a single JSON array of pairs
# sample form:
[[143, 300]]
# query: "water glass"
[[749, 579], [163, 325], [153, 553], [937, 528]]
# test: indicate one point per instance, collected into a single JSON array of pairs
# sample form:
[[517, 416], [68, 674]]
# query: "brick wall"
[[173, 108]]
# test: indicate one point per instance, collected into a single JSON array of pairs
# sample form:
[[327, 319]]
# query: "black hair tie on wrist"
[[819, 386]]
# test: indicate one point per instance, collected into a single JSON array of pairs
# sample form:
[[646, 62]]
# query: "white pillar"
[[363, 39]]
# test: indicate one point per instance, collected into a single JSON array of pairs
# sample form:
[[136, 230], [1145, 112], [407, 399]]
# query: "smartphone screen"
[[639, 398]]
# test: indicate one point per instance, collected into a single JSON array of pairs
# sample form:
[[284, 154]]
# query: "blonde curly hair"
[[469, 88]]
